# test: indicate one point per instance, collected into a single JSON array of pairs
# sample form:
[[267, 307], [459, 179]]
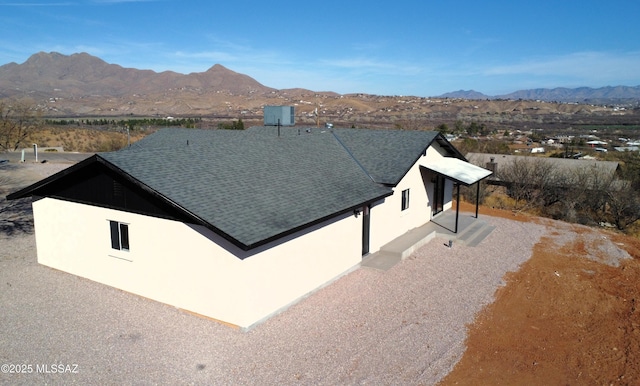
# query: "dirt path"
[[568, 316]]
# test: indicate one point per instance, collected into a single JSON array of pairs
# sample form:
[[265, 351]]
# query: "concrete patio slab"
[[471, 231]]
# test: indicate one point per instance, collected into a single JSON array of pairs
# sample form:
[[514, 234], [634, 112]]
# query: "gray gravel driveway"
[[406, 325]]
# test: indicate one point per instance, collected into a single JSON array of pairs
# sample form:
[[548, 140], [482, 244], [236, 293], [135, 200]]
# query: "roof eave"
[[442, 141], [192, 216], [96, 158], [457, 181], [312, 223], [28, 191]]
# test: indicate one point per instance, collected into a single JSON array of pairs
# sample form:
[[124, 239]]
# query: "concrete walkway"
[[471, 231]]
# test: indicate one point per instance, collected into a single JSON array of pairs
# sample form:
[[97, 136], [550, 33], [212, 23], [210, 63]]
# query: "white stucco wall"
[[187, 266], [433, 153], [388, 221]]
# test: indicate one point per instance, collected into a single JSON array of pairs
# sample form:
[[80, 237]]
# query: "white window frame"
[[120, 240], [405, 200]]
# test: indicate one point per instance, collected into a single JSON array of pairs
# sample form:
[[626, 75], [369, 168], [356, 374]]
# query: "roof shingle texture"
[[387, 155], [250, 185]]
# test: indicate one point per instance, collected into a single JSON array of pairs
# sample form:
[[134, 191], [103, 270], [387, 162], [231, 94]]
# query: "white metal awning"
[[458, 170]]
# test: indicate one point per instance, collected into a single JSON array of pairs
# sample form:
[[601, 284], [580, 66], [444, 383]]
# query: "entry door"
[[366, 222], [438, 195]]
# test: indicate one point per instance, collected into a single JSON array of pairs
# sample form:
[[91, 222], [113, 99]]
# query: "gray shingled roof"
[[387, 155], [253, 186], [249, 186]]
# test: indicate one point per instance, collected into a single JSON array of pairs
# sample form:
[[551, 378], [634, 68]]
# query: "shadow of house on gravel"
[[16, 217]]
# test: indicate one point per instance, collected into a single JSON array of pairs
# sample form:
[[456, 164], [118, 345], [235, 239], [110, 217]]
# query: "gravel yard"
[[407, 325]]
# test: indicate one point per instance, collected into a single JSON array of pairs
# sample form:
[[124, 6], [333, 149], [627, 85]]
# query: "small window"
[[405, 199], [119, 235]]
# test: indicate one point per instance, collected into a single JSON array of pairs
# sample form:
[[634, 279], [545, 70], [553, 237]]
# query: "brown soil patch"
[[502, 213], [568, 316]]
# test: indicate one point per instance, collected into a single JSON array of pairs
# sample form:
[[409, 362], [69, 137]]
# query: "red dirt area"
[[568, 316]]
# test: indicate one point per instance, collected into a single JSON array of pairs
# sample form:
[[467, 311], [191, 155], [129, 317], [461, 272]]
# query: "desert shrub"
[[68, 145], [634, 229], [500, 201], [470, 145], [469, 193], [585, 195], [111, 144]]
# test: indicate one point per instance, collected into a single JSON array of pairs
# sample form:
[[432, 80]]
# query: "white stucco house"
[[238, 225]]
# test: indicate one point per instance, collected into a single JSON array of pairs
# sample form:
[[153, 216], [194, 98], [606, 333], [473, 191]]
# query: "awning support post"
[[477, 197], [457, 207]]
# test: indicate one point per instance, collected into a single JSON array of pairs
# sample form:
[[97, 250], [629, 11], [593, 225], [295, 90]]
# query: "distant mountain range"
[[82, 74], [623, 94]]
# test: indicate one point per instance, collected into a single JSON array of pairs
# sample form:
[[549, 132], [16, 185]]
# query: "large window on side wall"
[[405, 199], [119, 235]]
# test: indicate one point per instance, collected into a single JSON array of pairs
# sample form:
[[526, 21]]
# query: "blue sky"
[[422, 48]]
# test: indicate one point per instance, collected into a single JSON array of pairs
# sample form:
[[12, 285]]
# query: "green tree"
[[235, 125], [473, 129]]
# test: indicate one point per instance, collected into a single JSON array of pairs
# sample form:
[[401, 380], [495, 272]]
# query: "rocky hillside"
[[81, 75], [83, 85]]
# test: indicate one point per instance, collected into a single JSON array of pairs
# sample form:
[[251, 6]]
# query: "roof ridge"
[[351, 155]]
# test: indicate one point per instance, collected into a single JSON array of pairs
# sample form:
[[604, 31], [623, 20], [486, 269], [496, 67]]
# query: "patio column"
[[477, 197], [457, 207]]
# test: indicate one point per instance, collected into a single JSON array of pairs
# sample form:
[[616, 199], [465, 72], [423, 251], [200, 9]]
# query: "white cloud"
[[588, 67]]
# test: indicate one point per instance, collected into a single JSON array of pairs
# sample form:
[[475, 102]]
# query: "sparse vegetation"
[[471, 145], [131, 123], [83, 140], [235, 125], [18, 119], [587, 196]]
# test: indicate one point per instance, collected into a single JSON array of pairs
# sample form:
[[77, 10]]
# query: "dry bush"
[[469, 193], [82, 140], [587, 195], [500, 201]]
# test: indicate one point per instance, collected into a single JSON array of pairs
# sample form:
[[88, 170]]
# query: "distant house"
[[237, 225], [597, 143], [627, 148]]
